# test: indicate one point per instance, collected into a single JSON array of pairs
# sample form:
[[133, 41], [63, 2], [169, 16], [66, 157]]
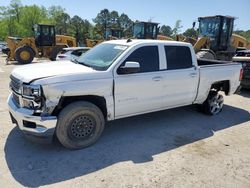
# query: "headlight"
[[31, 90], [32, 97]]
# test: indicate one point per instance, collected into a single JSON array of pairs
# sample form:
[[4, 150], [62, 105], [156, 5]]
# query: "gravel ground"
[[173, 148]]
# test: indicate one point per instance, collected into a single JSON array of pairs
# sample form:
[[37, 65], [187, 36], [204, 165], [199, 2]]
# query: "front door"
[[142, 91]]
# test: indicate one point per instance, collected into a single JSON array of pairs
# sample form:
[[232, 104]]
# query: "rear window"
[[178, 57], [79, 52]]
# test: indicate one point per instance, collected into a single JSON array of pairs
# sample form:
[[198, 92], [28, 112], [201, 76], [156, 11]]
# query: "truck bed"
[[202, 62], [212, 71]]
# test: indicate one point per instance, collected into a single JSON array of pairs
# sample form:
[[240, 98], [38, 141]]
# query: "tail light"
[[241, 74]]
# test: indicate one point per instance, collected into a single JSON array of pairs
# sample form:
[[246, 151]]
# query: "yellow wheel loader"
[[216, 40], [148, 30], [110, 34], [45, 43]]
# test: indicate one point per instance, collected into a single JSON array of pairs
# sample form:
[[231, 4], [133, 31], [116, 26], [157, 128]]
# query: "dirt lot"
[[172, 148]]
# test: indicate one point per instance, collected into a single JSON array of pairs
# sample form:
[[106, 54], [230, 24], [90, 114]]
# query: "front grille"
[[16, 99], [15, 84]]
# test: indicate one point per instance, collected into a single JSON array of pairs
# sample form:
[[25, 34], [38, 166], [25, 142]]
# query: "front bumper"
[[37, 128]]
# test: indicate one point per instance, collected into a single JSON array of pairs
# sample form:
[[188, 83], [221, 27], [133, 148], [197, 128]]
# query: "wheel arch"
[[99, 101], [223, 85]]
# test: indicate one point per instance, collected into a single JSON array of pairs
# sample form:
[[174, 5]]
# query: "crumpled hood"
[[28, 73]]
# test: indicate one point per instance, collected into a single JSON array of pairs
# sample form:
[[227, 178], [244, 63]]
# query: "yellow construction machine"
[[110, 34], [141, 30], [216, 40], [148, 30], [45, 43]]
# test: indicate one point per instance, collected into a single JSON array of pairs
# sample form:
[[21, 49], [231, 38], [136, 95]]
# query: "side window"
[[77, 52], [178, 57], [147, 56]]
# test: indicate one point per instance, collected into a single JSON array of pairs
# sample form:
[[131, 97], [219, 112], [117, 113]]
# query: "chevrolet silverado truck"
[[72, 100]]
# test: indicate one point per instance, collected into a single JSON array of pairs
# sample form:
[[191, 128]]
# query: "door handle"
[[157, 78], [193, 74]]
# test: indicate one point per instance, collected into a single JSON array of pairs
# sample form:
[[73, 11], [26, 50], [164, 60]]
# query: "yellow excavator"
[[45, 43], [216, 39]]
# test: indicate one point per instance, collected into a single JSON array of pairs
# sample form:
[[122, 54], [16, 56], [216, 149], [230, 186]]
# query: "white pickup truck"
[[72, 99]]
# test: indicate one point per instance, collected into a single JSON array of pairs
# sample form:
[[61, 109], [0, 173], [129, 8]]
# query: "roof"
[[77, 48], [145, 41], [146, 22], [217, 16], [247, 51]]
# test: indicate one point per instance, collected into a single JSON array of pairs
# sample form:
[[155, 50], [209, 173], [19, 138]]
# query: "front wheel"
[[24, 54], [79, 125], [213, 104]]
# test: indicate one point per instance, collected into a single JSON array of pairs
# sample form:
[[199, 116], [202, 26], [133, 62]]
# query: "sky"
[[162, 11]]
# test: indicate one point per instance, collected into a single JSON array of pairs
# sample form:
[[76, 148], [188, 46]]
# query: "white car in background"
[[71, 53]]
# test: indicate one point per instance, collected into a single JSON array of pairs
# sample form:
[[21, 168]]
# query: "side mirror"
[[129, 68], [194, 23]]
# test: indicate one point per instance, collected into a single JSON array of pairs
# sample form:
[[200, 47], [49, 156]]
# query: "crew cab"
[[115, 79]]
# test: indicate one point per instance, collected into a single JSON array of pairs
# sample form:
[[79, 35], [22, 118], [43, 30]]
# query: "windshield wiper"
[[74, 61], [82, 63]]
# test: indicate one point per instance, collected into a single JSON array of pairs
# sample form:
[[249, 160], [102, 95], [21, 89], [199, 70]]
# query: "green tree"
[[55, 11], [15, 9], [166, 30], [80, 28], [191, 32], [126, 25], [62, 23], [177, 27], [242, 33], [114, 20], [31, 15], [102, 21], [8, 20]]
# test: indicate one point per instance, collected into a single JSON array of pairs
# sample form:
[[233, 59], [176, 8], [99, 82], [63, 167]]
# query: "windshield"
[[209, 27], [102, 56], [139, 30]]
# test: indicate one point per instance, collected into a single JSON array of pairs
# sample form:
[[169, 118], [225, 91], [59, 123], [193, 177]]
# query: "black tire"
[[213, 104], [205, 55], [79, 125], [55, 52], [24, 54]]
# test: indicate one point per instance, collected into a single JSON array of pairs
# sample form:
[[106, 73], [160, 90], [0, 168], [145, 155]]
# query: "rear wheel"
[[213, 104], [79, 125], [55, 51], [24, 54]]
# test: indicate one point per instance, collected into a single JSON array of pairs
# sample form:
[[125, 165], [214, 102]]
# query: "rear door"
[[180, 77], [142, 91]]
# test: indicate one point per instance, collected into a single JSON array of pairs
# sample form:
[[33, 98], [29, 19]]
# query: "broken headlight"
[[32, 97]]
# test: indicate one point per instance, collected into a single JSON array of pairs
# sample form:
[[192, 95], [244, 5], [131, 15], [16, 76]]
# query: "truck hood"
[[29, 73]]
